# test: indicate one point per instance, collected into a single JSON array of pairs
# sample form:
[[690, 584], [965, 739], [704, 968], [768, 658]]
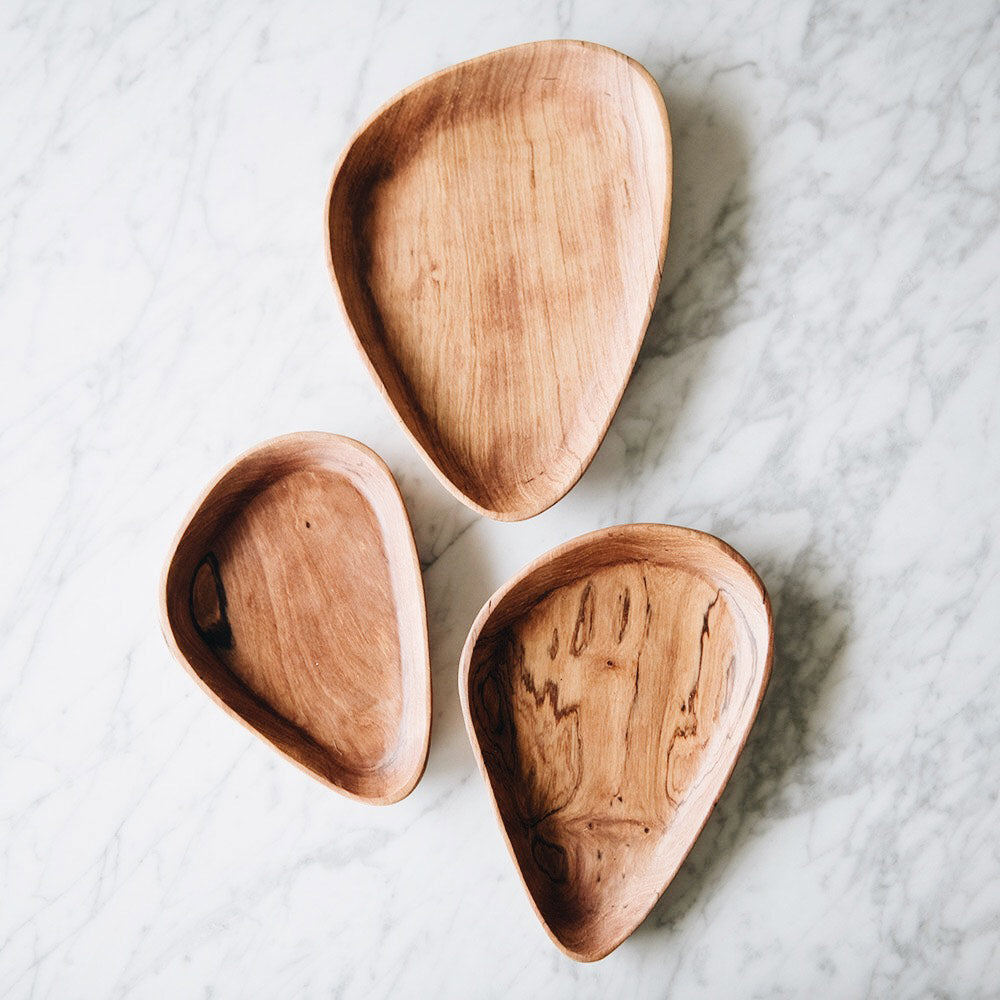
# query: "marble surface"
[[819, 386]]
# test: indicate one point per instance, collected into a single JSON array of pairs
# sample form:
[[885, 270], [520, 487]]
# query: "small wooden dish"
[[608, 690], [496, 234], [293, 596]]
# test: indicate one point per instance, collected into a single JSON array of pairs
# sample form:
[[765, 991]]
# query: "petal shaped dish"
[[608, 690], [293, 595], [496, 235]]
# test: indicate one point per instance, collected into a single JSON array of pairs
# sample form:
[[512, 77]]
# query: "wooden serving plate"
[[608, 690], [496, 234], [293, 595]]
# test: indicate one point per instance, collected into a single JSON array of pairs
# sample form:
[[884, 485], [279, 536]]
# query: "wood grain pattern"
[[293, 594], [608, 690], [496, 237]]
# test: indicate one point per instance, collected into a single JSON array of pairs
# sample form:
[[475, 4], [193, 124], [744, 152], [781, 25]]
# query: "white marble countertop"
[[820, 386]]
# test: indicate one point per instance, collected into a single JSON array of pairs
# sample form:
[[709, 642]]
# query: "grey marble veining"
[[819, 386]]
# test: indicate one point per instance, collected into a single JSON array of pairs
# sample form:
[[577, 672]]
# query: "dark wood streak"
[[550, 693], [649, 609], [210, 617], [730, 682], [554, 644], [624, 603], [583, 631], [498, 716], [493, 708], [689, 708], [648, 614], [551, 859]]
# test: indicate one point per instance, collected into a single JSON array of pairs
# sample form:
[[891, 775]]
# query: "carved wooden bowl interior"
[[294, 596], [608, 690], [496, 235]]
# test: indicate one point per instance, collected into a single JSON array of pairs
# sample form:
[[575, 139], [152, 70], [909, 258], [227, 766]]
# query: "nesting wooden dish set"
[[496, 237]]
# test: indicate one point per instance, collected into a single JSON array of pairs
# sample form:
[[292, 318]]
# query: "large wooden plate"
[[496, 236]]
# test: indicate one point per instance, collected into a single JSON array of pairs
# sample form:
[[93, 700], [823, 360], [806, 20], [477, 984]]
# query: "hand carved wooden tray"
[[496, 236], [608, 690], [293, 595]]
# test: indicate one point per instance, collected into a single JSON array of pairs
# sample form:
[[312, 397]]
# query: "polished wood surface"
[[496, 236], [608, 690], [293, 594]]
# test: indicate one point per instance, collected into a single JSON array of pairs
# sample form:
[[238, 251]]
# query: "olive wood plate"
[[496, 234], [293, 596], [608, 690]]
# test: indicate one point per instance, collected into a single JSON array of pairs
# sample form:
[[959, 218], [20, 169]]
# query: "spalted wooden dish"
[[293, 595], [496, 236], [608, 690]]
